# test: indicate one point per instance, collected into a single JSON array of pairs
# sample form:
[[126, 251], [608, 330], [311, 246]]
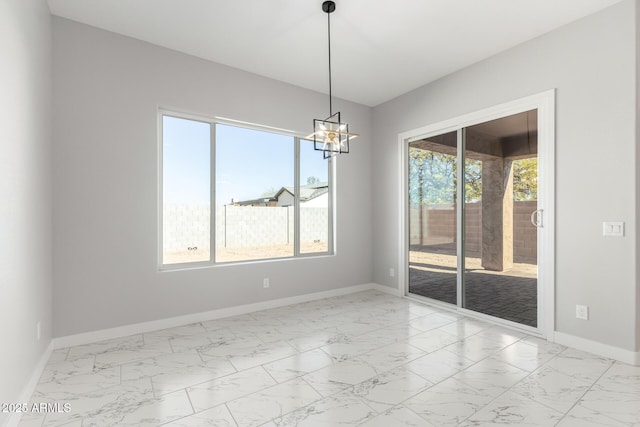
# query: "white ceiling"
[[380, 49]]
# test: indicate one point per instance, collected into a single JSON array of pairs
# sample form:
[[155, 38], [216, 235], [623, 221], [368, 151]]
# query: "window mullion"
[[212, 188], [330, 205], [296, 198]]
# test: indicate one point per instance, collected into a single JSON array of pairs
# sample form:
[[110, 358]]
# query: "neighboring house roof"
[[261, 201], [307, 192]]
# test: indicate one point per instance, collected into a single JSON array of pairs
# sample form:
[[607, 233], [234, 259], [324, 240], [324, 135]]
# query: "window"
[[314, 200], [271, 192], [186, 208], [254, 194]]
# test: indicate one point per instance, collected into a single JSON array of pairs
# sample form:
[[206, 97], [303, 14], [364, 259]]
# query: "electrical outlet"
[[392, 272], [265, 282], [582, 312], [38, 331]]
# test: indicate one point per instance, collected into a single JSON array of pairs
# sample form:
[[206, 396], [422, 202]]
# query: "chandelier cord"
[[329, 38]]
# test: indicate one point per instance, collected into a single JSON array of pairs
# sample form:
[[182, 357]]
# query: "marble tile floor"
[[365, 359]]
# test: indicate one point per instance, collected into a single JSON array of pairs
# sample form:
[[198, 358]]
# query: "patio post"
[[497, 214]]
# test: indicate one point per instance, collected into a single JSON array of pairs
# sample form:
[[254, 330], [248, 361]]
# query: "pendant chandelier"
[[330, 135]]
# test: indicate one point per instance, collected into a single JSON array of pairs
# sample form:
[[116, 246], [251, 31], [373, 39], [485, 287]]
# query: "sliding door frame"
[[544, 103]]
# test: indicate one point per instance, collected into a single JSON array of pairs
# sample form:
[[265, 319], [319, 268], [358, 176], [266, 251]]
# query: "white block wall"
[[240, 226]]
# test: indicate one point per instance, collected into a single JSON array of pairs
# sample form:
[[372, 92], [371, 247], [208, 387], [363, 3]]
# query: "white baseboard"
[[25, 397], [604, 350], [172, 322], [387, 290]]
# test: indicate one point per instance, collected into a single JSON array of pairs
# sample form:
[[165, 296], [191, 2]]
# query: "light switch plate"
[[613, 229]]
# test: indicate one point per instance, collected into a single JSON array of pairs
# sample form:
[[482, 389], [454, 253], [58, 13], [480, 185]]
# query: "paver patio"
[[509, 295]]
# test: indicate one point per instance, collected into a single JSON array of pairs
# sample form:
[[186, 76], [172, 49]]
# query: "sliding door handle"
[[536, 218]]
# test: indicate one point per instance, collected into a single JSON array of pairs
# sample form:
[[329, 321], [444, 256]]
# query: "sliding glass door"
[[473, 218], [432, 217]]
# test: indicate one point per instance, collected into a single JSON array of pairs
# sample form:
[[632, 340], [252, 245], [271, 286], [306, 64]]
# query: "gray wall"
[[25, 192], [592, 63], [107, 89]]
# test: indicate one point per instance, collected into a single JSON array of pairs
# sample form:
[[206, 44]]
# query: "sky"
[[248, 162]]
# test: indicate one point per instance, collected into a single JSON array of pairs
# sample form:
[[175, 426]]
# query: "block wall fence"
[[439, 223], [251, 226], [240, 226]]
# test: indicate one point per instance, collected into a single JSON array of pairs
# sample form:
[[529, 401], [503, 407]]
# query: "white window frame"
[[298, 138]]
